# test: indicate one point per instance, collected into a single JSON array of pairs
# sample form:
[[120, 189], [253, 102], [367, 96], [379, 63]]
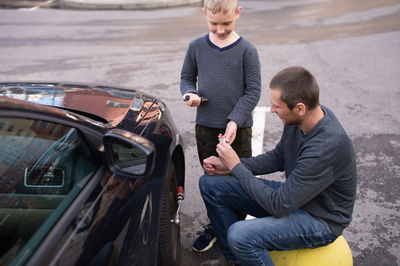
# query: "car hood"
[[110, 103]]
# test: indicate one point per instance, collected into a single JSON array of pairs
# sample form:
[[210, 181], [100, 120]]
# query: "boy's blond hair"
[[223, 6]]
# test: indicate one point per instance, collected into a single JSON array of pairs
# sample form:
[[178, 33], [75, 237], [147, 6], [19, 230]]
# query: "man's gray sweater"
[[320, 169], [228, 77]]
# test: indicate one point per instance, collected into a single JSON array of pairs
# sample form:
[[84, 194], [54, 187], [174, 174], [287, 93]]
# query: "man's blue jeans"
[[249, 241]]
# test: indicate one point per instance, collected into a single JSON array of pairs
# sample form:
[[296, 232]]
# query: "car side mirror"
[[128, 154]]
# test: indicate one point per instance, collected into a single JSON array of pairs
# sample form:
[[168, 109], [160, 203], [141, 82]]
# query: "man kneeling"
[[314, 204]]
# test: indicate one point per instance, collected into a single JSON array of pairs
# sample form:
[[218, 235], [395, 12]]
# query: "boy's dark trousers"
[[207, 140]]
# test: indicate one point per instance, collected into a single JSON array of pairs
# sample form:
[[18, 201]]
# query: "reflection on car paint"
[[111, 216]]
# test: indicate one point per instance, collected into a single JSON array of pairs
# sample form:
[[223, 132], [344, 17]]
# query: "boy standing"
[[226, 68]]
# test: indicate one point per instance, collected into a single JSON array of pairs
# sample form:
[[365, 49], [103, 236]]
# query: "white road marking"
[[258, 129], [258, 133]]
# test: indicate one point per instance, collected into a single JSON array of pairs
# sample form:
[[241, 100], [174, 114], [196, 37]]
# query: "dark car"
[[89, 175]]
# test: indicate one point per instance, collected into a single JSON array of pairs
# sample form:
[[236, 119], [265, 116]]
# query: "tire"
[[169, 253]]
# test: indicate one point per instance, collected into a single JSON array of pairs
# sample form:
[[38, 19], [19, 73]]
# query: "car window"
[[43, 166]]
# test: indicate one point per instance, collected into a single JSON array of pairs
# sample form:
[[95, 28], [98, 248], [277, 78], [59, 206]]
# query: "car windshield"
[[43, 166]]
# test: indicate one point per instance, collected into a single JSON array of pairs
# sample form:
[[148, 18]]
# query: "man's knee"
[[203, 183], [236, 237], [207, 182]]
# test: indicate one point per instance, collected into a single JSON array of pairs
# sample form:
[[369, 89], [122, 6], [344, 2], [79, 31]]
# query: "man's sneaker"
[[205, 240]]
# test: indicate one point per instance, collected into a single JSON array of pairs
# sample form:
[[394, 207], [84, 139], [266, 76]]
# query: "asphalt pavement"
[[98, 4], [352, 47]]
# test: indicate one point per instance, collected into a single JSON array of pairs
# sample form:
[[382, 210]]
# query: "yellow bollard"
[[334, 254]]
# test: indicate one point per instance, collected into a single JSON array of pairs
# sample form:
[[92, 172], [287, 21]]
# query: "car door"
[[59, 203]]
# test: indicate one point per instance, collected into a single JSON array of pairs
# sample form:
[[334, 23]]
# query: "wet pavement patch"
[[374, 232]]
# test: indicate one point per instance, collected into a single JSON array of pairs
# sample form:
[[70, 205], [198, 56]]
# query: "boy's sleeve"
[[189, 73], [252, 87]]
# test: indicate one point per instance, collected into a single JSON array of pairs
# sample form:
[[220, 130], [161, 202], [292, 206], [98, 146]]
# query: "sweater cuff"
[[237, 119], [240, 171], [190, 91]]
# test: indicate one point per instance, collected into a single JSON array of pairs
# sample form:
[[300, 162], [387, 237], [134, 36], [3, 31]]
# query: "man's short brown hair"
[[297, 85]]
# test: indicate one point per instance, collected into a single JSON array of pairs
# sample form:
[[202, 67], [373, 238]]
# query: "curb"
[[98, 4], [27, 4], [124, 4]]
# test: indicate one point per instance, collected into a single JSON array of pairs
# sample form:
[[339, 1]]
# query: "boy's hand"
[[227, 155], [230, 133], [213, 165], [194, 99]]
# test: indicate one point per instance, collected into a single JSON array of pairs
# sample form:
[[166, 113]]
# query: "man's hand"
[[227, 155], [194, 100], [213, 166], [230, 132]]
